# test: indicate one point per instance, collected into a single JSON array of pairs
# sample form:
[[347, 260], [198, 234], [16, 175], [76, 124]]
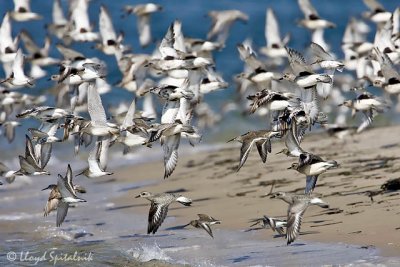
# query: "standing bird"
[[159, 207], [205, 222], [297, 207]]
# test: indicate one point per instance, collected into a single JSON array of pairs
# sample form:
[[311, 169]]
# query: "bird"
[[205, 223], [143, 12], [261, 138], [22, 11], [222, 22], [170, 135], [275, 224], [17, 77], [312, 166], [369, 105], [311, 19], [298, 205], [68, 195], [275, 47], [159, 207]]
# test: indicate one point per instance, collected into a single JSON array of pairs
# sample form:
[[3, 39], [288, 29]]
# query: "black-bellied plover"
[[312, 166], [159, 207], [297, 207]]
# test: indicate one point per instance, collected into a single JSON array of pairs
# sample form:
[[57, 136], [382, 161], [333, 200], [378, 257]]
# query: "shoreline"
[[210, 179]]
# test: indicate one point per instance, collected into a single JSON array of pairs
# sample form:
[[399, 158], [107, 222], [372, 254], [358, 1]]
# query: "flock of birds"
[[290, 99]]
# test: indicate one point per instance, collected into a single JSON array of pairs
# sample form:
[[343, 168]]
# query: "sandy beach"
[[210, 179]]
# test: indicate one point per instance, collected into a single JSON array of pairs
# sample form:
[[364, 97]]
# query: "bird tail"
[[319, 202], [334, 163], [184, 200]]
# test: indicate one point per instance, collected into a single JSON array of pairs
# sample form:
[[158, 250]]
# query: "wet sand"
[[360, 213]]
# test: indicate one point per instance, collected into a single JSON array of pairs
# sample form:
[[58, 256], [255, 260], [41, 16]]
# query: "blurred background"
[[196, 23]]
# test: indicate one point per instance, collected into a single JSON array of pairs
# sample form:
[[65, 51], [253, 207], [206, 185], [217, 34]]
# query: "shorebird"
[[7, 173], [172, 92], [55, 197], [377, 12], [22, 11], [170, 134], [143, 12], [98, 125], [205, 223], [97, 159], [17, 77], [297, 207], [222, 22], [277, 225], [261, 138], [109, 40], [9, 132], [65, 193], [303, 75], [79, 19], [159, 207], [312, 166], [275, 45], [275, 101], [369, 105], [311, 19]]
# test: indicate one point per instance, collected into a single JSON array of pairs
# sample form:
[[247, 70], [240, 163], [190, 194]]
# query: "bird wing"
[[374, 5], [45, 154], [58, 14], [245, 151], [170, 146], [368, 118], [308, 10], [130, 114], [62, 211], [65, 187], [18, 64], [95, 107], [143, 26], [297, 62], [157, 215], [170, 111], [294, 218], [29, 44], [22, 4], [320, 52], [93, 159], [51, 204], [311, 181], [272, 35], [206, 227], [106, 27]]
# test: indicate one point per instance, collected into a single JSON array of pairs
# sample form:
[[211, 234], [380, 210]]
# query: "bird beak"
[[273, 196], [46, 188], [280, 152], [291, 167], [340, 105], [137, 196]]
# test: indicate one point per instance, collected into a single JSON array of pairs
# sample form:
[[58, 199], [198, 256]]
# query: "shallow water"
[[105, 234]]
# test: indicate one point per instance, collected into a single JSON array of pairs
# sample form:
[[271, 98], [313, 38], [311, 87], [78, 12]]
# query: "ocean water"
[[116, 237]]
